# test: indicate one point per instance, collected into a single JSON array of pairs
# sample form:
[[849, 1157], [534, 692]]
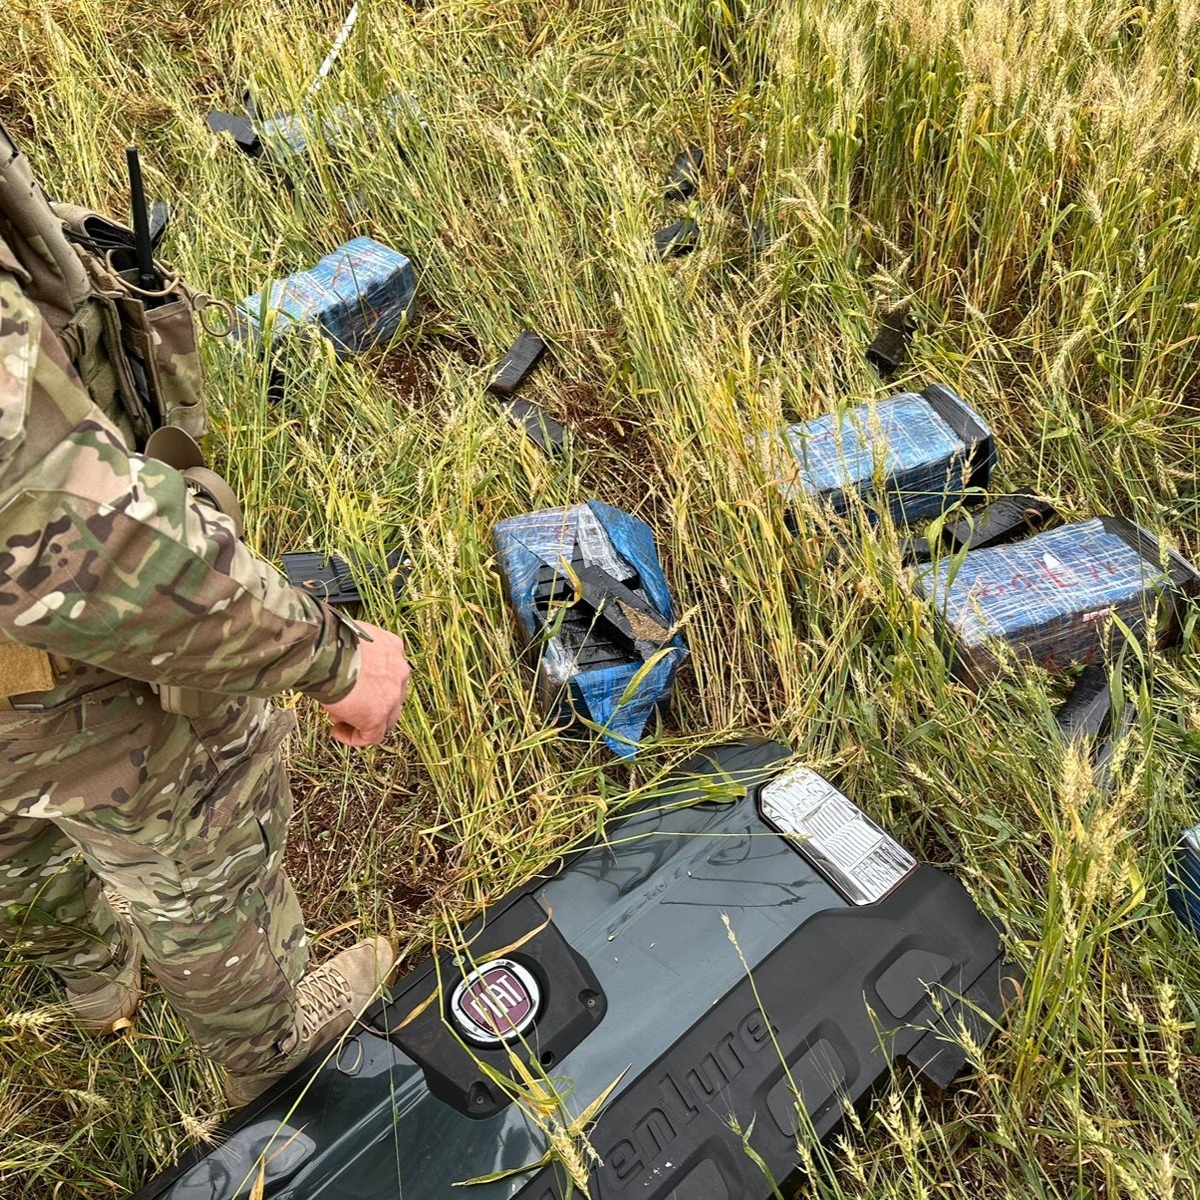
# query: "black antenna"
[[148, 279]]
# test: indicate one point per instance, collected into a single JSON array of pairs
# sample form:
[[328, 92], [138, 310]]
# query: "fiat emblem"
[[496, 1002]]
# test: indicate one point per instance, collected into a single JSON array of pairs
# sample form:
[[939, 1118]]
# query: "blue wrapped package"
[[357, 297], [1183, 879], [1054, 597], [289, 134], [591, 597], [926, 448]]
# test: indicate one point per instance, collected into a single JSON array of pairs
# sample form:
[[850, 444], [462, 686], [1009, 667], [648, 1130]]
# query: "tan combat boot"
[[328, 998], [118, 996]]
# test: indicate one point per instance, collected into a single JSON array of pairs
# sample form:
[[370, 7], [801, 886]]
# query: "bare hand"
[[366, 715]]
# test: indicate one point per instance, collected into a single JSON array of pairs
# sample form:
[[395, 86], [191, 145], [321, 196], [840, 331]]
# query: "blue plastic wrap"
[[357, 297], [1183, 879], [583, 667], [1052, 596], [925, 448]]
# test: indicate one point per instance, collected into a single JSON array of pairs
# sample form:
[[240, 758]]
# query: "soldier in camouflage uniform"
[[133, 586]]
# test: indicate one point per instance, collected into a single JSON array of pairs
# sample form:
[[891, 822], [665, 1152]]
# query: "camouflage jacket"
[[105, 559]]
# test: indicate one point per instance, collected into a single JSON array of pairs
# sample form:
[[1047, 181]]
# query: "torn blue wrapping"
[[1050, 596], [586, 666], [1183, 879], [357, 297], [924, 449]]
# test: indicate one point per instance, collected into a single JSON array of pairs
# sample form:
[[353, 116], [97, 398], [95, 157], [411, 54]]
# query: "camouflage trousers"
[[184, 817]]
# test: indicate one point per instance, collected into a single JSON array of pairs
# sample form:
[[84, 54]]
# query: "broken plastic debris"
[[541, 429], [1087, 711], [241, 129], [888, 352], [518, 361], [683, 180], [1000, 520], [678, 239]]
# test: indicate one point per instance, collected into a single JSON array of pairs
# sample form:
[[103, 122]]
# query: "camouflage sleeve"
[[106, 559]]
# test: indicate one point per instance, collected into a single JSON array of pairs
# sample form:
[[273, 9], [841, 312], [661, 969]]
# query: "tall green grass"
[[1025, 176]]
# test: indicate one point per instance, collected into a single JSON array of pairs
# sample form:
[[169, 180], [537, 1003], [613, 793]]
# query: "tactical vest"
[[135, 351]]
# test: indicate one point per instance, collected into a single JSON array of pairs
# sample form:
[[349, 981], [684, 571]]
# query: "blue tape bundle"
[[357, 297], [289, 133], [288, 136], [1183, 879], [927, 448], [1052, 597], [591, 597]]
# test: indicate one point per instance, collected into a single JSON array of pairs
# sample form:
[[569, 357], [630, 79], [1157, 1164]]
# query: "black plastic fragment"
[[592, 644], [1004, 519], [1102, 751], [333, 580], [160, 220], [543, 430], [520, 358], [683, 181], [678, 239], [239, 128], [1087, 714], [889, 350], [1087, 711], [1019, 514], [600, 620], [915, 550], [602, 597]]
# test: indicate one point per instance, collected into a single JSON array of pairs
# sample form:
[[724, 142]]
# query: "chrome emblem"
[[496, 1002]]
